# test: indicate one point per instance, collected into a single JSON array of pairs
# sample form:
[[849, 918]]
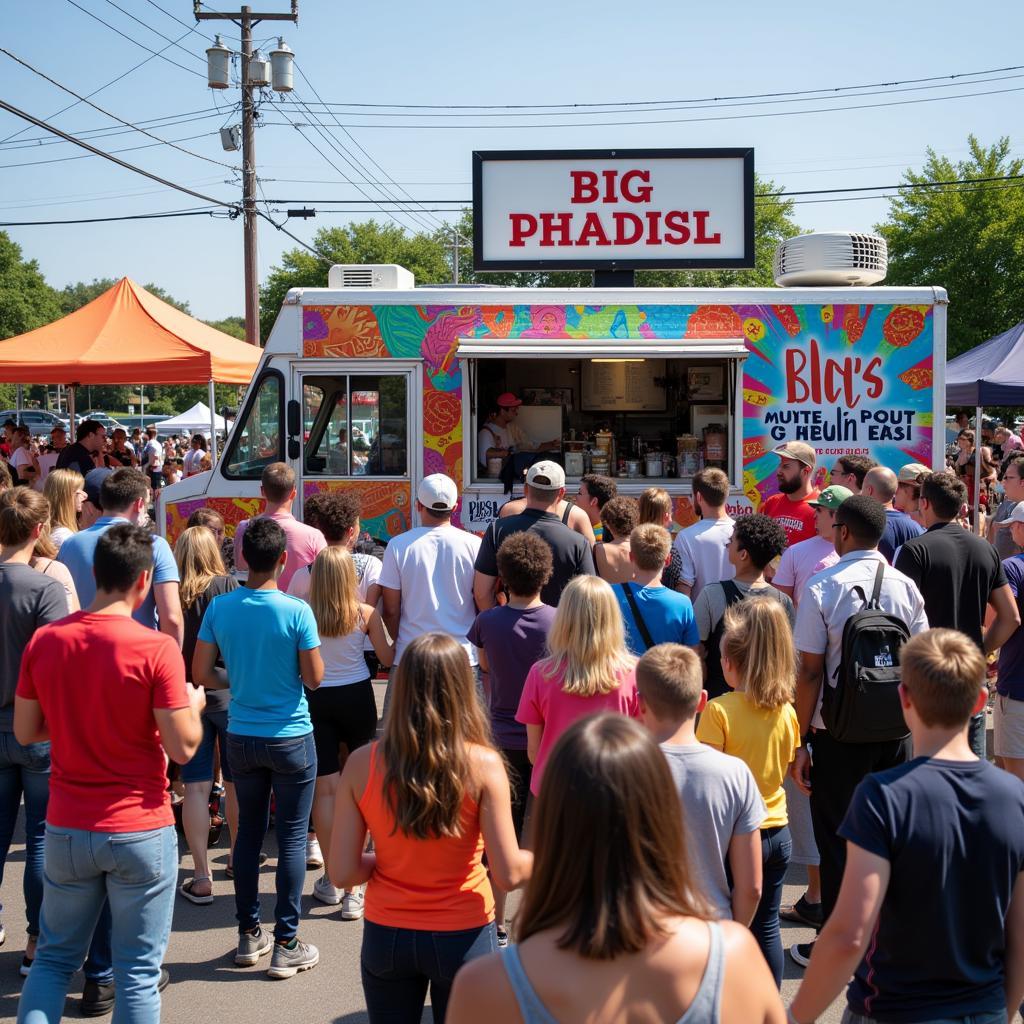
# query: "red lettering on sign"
[[584, 186], [809, 377], [702, 237], [653, 235], [524, 225], [548, 228], [643, 193], [676, 230], [622, 220], [593, 228]]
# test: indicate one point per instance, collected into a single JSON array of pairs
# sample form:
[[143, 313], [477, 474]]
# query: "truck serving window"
[[258, 443], [355, 425]]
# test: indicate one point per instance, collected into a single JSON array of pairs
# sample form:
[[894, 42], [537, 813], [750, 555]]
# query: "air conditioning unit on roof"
[[370, 275], [831, 258]]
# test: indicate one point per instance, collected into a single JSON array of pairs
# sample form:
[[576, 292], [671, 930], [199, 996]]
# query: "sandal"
[[188, 885]]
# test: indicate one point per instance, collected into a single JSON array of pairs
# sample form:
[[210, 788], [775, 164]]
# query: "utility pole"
[[246, 19]]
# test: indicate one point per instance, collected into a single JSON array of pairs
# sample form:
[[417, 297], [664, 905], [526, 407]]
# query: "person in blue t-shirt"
[[1008, 713], [930, 916], [270, 647], [122, 496], [881, 483], [667, 616]]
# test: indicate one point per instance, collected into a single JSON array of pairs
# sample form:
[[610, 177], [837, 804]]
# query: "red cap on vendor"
[[508, 401]]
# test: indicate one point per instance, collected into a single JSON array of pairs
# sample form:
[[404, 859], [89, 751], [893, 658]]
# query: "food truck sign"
[[625, 209]]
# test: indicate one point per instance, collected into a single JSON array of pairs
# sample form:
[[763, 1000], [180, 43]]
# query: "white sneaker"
[[314, 858], [352, 904], [325, 892]]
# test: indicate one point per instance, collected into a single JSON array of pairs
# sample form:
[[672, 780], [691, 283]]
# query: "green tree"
[[968, 239], [74, 296], [26, 302], [368, 242], [233, 325]]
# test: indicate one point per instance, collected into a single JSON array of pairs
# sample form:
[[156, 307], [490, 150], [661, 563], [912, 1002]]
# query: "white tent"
[[196, 420]]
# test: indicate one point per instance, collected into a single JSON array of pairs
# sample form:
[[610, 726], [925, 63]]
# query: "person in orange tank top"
[[433, 795]]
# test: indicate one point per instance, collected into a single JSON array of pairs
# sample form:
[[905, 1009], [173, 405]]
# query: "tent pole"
[[71, 412], [977, 470], [213, 425]]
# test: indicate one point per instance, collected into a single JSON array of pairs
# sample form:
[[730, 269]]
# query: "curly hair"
[[333, 513], [761, 537], [620, 516], [525, 563]]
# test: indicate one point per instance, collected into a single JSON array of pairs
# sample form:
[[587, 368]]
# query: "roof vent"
[[370, 275], [831, 258]]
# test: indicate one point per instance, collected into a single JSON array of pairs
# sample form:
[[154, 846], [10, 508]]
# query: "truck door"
[[360, 424]]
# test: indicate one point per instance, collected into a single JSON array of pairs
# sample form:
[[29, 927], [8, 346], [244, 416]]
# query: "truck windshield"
[[258, 443]]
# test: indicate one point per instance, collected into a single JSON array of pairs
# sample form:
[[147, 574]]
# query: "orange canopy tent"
[[127, 336]]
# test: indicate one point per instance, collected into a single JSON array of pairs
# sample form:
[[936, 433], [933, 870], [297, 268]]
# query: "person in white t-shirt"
[[194, 457], [153, 458], [427, 577], [704, 547], [25, 457], [500, 435], [48, 460], [801, 561]]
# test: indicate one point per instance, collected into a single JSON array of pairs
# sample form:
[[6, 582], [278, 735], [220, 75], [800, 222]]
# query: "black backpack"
[[715, 683], [864, 705]]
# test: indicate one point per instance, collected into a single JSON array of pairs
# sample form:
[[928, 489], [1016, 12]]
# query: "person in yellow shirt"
[[757, 723]]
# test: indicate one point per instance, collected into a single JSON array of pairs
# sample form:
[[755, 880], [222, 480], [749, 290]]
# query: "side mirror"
[[294, 418]]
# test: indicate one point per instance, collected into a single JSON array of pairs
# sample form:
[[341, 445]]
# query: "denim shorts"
[[200, 768]]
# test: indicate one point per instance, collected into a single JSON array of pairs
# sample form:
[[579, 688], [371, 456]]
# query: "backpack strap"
[[645, 633], [876, 591], [732, 592]]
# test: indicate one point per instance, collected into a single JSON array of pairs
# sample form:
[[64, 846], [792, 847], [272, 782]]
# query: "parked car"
[[101, 417], [38, 421]]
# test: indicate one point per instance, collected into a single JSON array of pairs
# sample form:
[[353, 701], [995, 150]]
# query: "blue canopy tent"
[[991, 374]]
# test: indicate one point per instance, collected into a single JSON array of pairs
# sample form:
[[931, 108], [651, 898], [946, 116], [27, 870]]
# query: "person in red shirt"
[[109, 827], [791, 506]]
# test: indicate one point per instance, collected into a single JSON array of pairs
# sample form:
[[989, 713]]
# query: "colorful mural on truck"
[[844, 378]]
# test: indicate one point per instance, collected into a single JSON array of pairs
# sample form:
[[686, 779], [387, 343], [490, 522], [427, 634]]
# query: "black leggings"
[[341, 714]]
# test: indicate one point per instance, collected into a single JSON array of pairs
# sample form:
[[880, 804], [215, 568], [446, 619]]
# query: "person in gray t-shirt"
[[1012, 479], [28, 600], [722, 807]]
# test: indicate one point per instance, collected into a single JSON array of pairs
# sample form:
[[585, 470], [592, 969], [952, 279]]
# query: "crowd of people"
[[30, 460], [643, 732]]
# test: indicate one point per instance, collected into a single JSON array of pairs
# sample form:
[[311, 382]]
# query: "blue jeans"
[[776, 846], [200, 768], [25, 771], [397, 965], [286, 767], [137, 872], [993, 1017], [978, 739]]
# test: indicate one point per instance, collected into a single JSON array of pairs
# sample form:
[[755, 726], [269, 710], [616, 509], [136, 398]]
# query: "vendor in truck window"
[[500, 435]]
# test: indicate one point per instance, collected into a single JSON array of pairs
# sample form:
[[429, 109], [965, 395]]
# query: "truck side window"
[[356, 425], [258, 443]]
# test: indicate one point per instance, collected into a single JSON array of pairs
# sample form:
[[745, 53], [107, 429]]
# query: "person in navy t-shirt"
[[929, 920], [667, 615], [1008, 713]]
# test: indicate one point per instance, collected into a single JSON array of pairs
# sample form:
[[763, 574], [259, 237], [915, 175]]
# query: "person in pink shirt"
[[801, 561], [589, 670], [303, 543]]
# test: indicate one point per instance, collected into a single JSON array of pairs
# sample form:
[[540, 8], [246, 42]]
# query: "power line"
[[174, 17], [85, 156], [120, 120], [124, 35], [103, 220], [362, 149], [294, 238], [166, 121], [106, 85], [167, 39], [700, 99], [690, 120], [11, 109]]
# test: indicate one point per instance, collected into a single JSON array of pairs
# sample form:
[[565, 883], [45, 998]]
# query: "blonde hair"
[[434, 720], [199, 563], [944, 673], [758, 640], [649, 544], [655, 506], [332, 592], [60, 489], [587, 642]]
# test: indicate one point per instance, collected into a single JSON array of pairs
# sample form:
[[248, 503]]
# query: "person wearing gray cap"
[[545, 488], [791, 506]]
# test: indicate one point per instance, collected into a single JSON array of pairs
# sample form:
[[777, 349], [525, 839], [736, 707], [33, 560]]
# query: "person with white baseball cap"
[[427, 576], [545, 489]]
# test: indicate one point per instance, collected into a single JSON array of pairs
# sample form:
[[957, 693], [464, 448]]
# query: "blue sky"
[[558, 51]]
